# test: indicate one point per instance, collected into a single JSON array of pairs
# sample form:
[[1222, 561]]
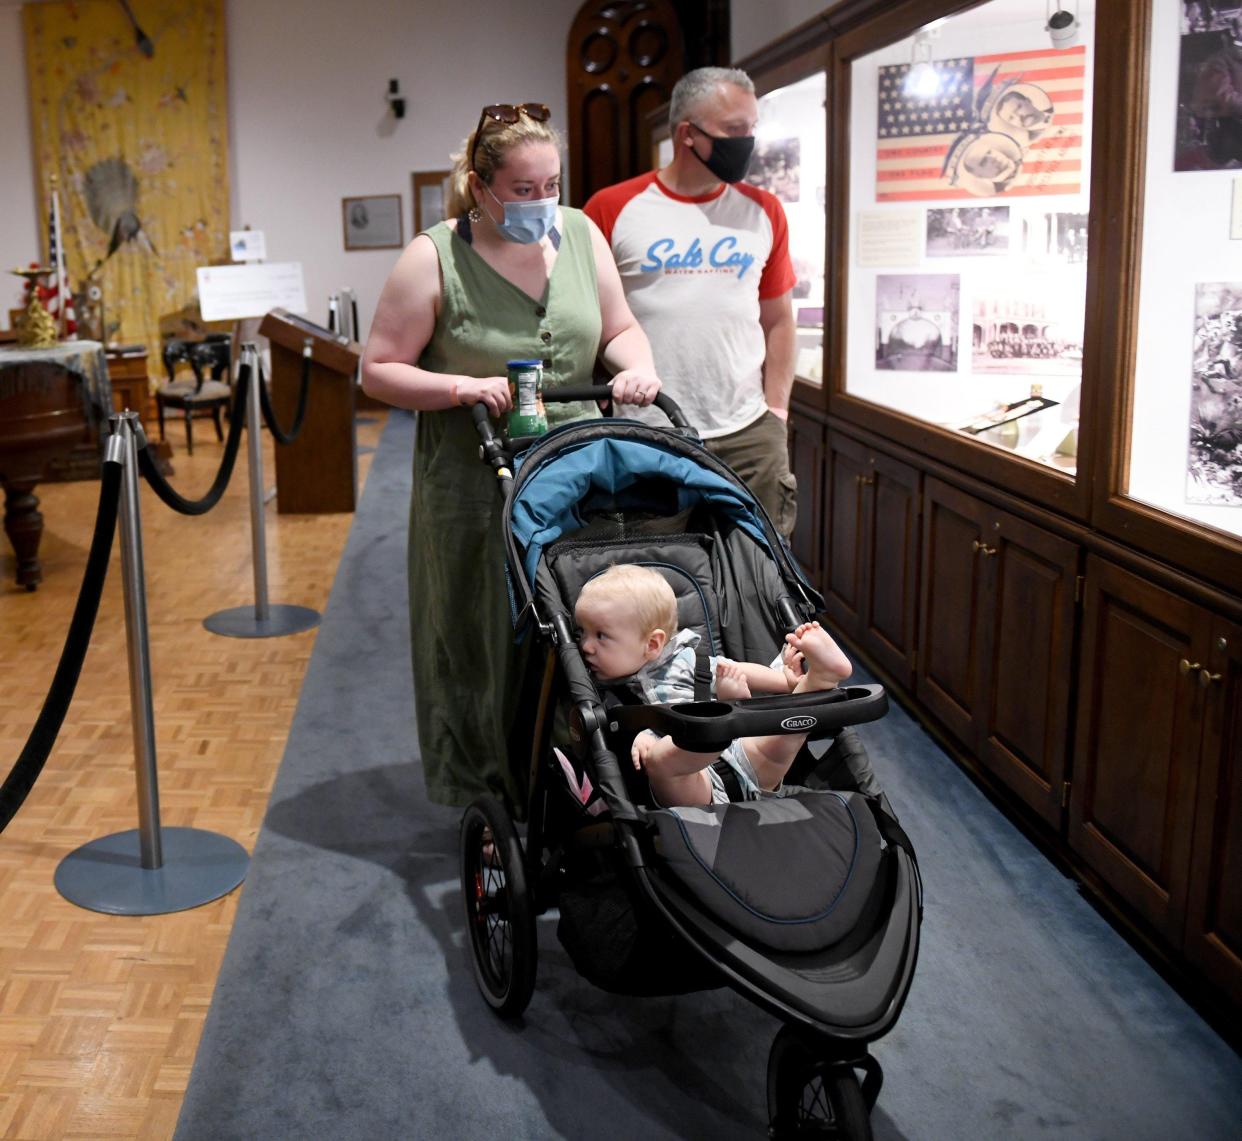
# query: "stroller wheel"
[[500, 913], [812, 1096]]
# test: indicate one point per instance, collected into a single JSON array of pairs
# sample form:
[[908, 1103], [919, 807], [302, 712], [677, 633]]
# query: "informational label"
[[231, 292], [247, 245], [1235, 227], [890, 237]]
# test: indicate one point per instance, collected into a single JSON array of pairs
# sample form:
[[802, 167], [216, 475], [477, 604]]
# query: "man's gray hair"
[[698, 87]]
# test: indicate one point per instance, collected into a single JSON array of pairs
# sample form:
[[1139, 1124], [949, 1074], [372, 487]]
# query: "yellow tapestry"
[[132, 116]]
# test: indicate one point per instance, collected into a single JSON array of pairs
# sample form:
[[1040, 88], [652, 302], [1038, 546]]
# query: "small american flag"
[[59, 302], [916, 132]]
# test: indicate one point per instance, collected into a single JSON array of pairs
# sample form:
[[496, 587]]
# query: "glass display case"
[[791, 161], [969, 153], [1185, 453]]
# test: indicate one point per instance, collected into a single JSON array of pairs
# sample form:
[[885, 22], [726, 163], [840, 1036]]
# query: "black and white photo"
[[917, 321], [1214, 463], [959, 231]]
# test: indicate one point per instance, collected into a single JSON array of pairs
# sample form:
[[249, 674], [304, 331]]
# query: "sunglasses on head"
[[506, 113]]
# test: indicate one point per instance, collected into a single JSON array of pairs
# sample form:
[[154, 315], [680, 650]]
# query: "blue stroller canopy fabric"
[[548, 503]]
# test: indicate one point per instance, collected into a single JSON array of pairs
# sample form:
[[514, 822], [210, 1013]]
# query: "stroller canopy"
[[551, 499]]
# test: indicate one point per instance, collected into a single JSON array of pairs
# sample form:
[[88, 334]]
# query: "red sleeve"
[[778, 272], [605, 205]]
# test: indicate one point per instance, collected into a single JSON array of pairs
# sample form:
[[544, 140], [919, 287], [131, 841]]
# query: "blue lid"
[[523, 364]]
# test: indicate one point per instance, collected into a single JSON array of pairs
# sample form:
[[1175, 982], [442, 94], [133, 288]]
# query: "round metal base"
[[240, 622], [107, 874]]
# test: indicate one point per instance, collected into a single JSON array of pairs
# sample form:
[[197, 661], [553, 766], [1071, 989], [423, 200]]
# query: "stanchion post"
[[124, 427], [254, 444]]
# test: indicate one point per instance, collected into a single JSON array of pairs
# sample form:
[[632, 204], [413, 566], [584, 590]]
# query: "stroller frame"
[[506, 883]]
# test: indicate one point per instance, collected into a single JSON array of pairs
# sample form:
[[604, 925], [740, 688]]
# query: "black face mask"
[[730, 155]]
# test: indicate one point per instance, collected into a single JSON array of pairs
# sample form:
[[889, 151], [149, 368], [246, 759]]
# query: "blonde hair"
[[648, 593], [495, 142]]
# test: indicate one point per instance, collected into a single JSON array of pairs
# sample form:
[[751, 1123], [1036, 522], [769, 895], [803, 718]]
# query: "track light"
[[921, 80], [1062, 25], [395, 99]]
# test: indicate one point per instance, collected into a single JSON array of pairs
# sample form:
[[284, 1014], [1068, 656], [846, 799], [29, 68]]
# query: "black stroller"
[[671, 900]]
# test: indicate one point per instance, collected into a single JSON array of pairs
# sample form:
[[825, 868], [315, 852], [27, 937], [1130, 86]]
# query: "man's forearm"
[[778, 365]]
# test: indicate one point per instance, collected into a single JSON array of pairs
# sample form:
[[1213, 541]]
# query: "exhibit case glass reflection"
[[969, 184], [1185, 448], [790, 160]]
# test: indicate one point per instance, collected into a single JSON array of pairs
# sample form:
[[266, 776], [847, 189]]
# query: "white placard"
[[230, 292], [247, 245], [890, 237], [1235, 229]]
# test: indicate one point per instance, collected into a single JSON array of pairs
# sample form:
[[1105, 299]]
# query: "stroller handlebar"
[[709, 726], [665, 404]]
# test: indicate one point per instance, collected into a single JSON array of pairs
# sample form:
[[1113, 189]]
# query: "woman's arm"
[[405, 320], [626, 348]]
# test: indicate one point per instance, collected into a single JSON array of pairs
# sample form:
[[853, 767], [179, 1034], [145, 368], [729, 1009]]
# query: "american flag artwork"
[[1008, 123]]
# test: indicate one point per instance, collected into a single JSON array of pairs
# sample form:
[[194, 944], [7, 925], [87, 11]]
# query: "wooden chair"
[[200, 395]]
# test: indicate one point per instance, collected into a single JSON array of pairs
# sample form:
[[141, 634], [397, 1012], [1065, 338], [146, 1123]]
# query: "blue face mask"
[[526, 221]]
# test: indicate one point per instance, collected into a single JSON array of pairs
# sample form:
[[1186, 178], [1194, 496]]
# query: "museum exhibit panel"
[[1020, 467]]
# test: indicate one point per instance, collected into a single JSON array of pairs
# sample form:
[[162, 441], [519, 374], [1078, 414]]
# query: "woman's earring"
[[474, 214]]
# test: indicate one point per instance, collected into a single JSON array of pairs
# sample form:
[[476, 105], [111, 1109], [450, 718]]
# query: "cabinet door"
[[1214, 923], [1137, 744], [1030, 658], [844, 575], [890, 614], [806, 461], [951, 609]]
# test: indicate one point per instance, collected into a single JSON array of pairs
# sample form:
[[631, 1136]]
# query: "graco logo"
[[797, 724]]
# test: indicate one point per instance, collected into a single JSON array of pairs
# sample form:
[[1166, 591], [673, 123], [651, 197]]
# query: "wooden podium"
[[318, 472]]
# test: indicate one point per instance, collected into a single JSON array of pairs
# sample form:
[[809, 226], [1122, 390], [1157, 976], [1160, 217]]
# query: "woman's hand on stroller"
[[492, 391], [635, 386]]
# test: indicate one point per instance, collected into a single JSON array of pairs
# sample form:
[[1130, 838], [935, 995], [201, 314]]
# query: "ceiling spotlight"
[[1062, 25], [922, 79], [395, 99]]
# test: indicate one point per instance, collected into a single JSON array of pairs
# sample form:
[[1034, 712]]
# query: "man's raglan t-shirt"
[[694, 271]]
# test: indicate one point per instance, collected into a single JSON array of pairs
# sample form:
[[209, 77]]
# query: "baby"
[[627, 621]]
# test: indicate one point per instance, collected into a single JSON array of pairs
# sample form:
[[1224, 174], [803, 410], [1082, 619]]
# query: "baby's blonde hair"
[[646, 591]]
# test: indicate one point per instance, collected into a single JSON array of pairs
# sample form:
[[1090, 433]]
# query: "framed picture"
[[372, 223], [429, 193]]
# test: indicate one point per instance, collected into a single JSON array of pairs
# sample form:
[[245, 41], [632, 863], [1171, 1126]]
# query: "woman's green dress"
[[467, 668]]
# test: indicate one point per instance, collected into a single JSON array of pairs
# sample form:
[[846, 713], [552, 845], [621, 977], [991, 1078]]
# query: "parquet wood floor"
[[100, 1015]]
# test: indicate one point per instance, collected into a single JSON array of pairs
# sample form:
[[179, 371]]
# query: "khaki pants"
[[759, 453]]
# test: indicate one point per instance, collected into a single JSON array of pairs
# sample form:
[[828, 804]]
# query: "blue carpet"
[[346, 1007]]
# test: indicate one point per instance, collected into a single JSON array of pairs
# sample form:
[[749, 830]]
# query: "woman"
[[512, 275]]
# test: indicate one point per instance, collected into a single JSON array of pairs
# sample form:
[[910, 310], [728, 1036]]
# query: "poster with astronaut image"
[[1214, 462]]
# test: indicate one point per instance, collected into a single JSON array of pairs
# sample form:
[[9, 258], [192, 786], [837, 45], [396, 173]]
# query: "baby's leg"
[[731, 684], [677, 776], [826, 663]]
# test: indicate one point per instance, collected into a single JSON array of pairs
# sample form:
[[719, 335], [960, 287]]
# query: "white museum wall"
[[309, 125], [754, 24]]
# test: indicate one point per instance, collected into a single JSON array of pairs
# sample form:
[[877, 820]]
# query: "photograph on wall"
[[1214, 463], [372, 223], [982, 126], [1030, 323], [1209, 87], [1056, 236], [962, 231], [776, 166], [916, 321]]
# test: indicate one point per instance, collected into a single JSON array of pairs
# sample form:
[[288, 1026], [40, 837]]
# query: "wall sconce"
[[395, 99], [921, 80], [1062, 25]]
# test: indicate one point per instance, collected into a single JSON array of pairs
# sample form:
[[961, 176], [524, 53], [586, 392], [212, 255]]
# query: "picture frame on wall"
[[372, 222], [429, 191]]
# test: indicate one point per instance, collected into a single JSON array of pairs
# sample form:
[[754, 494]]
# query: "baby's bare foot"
[[731, 683], [826, 663]]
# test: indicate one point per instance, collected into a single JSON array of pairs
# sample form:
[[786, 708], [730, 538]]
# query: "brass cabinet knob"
[[1184, 667], [982, 549], [1206, 678]]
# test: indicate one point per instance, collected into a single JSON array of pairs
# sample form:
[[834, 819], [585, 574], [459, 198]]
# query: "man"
[[705, 264], [1218, 97]]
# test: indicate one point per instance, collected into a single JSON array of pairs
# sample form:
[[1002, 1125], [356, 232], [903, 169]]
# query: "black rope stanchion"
[[147, 871], [269, 414], [262, 620], [38, 748]]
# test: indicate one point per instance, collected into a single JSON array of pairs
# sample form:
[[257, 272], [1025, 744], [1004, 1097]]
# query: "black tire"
[[500, 912], [810, 1096]]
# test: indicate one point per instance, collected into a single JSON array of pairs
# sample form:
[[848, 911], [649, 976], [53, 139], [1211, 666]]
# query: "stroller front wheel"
[[812, 1096], [500, 912]]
